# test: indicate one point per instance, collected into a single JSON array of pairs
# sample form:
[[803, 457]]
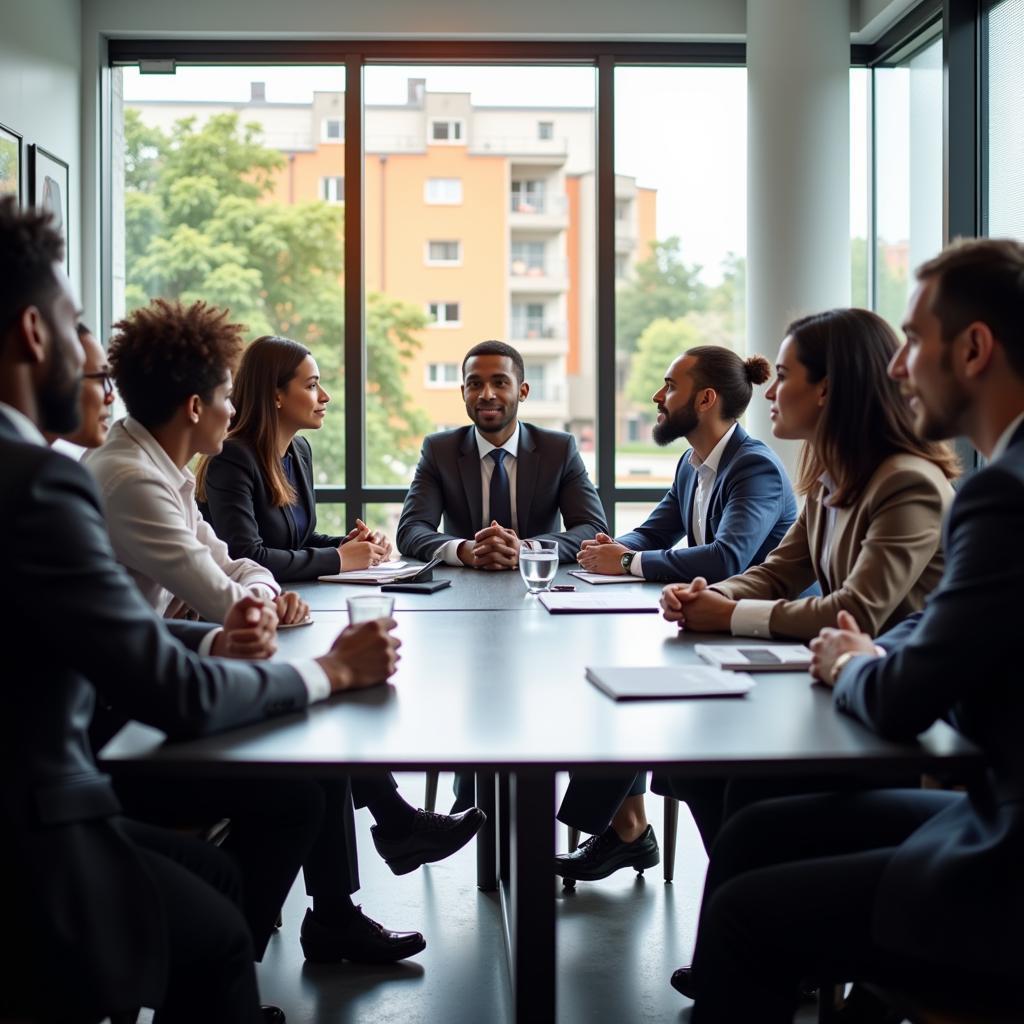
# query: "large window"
[[1004, 141], [232, 186], [680, 240], [907, 174]]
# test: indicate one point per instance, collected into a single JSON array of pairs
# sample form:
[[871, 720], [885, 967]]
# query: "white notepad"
[[575, 603], [754, 657], [600, 577], [662, 682], [386, 572]]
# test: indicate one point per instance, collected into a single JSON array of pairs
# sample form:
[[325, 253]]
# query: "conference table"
[[490, 681]]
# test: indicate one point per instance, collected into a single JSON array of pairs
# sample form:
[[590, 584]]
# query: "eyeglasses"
[[105, 378]]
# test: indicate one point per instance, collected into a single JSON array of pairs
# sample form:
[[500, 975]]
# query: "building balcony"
[[539, 151], [526, 276], [538, 212]]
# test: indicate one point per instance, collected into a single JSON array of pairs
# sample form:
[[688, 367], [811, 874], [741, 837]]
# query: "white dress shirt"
[[707, 473], [449, 551], [1004, 439], [159, 536]]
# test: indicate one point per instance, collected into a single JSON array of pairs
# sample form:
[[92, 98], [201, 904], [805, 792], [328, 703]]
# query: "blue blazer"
[[953, 893], [752, 506]]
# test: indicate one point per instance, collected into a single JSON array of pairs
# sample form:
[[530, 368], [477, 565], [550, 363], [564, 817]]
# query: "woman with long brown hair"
[[258, 492], [875, 495]]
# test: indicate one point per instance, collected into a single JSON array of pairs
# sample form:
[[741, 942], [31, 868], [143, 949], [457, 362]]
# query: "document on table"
[[652, 683], [756, 657], [600, 577], [386, 572], [575, 603]]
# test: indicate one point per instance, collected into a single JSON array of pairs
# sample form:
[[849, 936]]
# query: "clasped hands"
[[696, 607], [362, 655], [493, 549], [603, 555], [363, 547]]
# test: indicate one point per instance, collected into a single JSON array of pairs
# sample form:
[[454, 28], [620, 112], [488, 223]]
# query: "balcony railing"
[[534, 205], [521, 145], [520, 267], [531, 328]]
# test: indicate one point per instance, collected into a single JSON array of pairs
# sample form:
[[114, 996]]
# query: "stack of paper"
[[600, 577], [386, 572], [568, 604], [754, 657], [653, 683]]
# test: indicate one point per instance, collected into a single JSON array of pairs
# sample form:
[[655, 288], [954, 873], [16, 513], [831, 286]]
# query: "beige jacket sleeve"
[[883, 546]]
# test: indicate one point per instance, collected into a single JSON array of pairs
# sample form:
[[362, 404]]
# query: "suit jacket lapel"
[[689, 496], [527, 468], [739, 435], [469, 471]]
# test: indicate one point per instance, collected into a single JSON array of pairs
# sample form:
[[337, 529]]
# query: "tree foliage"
[[200, 223]]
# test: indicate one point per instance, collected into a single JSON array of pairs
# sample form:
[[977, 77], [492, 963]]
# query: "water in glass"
[[538, 564]]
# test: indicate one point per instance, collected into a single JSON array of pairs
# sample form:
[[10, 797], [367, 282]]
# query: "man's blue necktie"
[[501, 496]]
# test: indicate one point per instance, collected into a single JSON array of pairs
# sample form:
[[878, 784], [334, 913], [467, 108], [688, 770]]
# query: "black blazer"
[[953, 893], [72, 623], [551, 480], [239, 508]]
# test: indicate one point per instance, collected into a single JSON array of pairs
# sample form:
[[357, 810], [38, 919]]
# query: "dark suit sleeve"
[[189, 633], [83, 597], [232, 493], [754, 499], [964, 639], [582, 513], [417, 535], [665, 526]]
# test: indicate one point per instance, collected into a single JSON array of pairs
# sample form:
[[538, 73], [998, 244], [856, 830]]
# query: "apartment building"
[[483, 216]]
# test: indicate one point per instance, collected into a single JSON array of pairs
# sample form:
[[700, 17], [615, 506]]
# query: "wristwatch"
[[626, 560]]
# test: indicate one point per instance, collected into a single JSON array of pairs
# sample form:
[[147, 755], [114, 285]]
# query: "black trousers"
[[211, 978], [790, 894], [590, 802], [277, 826]]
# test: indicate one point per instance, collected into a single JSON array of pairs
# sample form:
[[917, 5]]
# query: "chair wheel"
[[639, 871], [568, 883]]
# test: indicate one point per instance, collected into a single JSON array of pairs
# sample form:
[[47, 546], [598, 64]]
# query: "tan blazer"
[[885, 559]]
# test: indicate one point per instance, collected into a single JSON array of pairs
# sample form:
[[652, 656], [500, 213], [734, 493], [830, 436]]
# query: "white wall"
[[41, 92]]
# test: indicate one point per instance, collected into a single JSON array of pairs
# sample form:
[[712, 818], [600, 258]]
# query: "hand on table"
[[830, 643], [363, 533], [603, 555], [494, 548], [361, 554], [697, 608], [362, 655], [250, 631], [290, 608]]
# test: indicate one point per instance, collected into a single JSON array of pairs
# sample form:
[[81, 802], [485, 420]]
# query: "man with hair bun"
[[732, 501]]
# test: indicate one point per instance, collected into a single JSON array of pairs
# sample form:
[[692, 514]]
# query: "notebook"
[[662, 682], [756, 657], [386, 572], [576, 603], [600, 577]]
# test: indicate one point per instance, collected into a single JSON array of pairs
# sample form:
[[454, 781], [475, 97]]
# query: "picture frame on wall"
[[11, 173], [49, 188]]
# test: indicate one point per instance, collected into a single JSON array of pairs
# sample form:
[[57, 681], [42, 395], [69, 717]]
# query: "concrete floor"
[[618, 942]]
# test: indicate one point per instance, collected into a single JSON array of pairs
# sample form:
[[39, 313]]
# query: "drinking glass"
[[538, 563], [372, 606]]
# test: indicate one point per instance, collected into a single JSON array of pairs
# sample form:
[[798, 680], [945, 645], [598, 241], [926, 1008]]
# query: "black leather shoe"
[[432, 837], [272, 1015], [602, 855], [682, 981], [360, 939]]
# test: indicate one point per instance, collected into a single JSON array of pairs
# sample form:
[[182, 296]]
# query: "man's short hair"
[[165, 352], [30, 245], [981, 279], [496, 348]]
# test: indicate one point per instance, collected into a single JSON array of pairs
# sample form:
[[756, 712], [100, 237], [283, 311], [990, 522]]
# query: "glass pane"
[[1005, 139], [330, 518], [384, 517], [478, 225], [680, 233], [908, 175], [860, 192], [227, 187]]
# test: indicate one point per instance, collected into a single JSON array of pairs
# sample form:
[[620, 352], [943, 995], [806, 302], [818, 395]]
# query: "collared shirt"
[[449, 551], [28, 431], [1004, 439], [159, 536], [707, 473]]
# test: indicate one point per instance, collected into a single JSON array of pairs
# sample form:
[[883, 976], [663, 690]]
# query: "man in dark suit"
[[499, 480], [733, 502], [919, 890], [107, 914]]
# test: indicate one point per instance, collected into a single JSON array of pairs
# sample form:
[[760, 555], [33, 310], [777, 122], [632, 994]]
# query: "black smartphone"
[[415, 588]]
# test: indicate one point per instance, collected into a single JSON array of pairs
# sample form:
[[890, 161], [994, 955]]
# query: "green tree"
[[200, 224], [659, 344]]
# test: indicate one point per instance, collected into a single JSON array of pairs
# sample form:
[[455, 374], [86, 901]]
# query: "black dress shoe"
[[432, 837], [359, 939], [602, 855], [272, 1015], [682, 981]]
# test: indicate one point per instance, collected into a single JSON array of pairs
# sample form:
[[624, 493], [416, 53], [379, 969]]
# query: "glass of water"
[[370, 607], [538, 563]]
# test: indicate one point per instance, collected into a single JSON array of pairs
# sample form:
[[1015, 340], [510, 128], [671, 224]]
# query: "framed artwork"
[[49, 189], [10, 163]]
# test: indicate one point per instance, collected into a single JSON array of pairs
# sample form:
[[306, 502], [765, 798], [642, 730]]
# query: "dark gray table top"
[[471, 590], [508, 690]]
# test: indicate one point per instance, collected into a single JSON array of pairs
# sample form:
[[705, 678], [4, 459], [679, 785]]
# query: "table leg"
[[531, 891], [486, 841]]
